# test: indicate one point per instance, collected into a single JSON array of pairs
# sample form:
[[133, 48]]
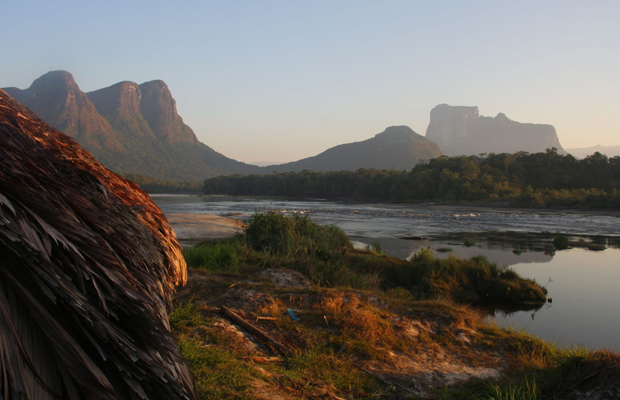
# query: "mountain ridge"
[[135, 129], [131, 128], [56, 98], [397, 147]]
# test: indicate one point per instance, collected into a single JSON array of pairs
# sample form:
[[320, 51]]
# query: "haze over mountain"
[[130, 128], [135, 129], [609, 151], [398, 147], [462, 131]]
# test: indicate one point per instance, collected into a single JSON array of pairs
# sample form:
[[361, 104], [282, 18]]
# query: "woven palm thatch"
[[88, 266]]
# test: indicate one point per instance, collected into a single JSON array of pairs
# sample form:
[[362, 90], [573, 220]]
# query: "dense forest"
[[544, 179]]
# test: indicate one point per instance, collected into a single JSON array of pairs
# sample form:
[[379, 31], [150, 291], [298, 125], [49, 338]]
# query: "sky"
[[277, 81]]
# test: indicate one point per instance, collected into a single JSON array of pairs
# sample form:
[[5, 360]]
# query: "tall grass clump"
[[294, 235], [226, 255], [525, 391], [296, 242]]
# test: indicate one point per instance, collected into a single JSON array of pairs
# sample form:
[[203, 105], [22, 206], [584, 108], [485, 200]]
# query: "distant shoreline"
[[477, 205]]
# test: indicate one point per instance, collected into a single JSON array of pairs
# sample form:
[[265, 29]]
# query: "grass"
[[525, 391], [222, 372], [218, 374], [473, 281], [354, 314], [221, 255], [324, 255], [370, 324], [339, 331]]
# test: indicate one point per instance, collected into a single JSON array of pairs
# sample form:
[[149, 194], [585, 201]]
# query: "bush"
[[473, 281], [324, 255], [294, 235], [560, 242]]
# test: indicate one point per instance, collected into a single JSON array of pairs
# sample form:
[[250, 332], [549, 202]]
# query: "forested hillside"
[[533, 179]]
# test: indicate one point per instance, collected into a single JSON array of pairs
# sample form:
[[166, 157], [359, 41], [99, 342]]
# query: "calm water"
[[584, 284]]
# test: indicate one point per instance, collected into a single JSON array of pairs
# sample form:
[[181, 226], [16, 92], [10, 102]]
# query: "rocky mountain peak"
[[455, 112], [131, 128], [57, 99], [396, 134], [122, 98], [460, 130], [157, 102], [52, 94], [160, 110], [55, 80]]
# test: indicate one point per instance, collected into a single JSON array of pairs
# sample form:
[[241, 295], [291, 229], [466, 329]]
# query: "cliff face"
[[462, 131], [147, 110], [398, 147], [160, 110], [130, 128], [120, 105], [57, 99]]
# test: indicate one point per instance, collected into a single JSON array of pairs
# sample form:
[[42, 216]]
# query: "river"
[[583, 284]]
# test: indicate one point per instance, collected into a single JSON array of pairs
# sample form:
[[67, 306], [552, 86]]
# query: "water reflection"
[[504, 312], [585, 310], [507, 250]]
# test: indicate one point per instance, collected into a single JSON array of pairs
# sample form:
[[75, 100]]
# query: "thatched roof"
[[88, 265]]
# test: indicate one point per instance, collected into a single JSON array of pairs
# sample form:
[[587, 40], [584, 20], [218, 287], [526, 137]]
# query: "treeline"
[[544, 179]]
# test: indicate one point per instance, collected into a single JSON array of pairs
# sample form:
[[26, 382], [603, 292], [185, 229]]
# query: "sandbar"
[[192, 228]]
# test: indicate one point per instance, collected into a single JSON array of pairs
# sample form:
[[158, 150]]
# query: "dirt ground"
[[412, 373]]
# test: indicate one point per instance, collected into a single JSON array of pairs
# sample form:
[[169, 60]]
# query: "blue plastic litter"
[[292, 314]]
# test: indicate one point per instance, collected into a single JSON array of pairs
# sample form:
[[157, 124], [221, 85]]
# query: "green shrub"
[[294, 235], [324, 255], [465, 281], [560, 242]]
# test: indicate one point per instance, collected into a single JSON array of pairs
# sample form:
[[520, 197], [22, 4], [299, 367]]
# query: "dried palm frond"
[[88, 266]]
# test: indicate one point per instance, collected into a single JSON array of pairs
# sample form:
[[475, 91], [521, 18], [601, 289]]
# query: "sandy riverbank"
[[192, 228]]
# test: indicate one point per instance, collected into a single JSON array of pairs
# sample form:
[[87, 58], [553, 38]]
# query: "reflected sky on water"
[[584, 286]]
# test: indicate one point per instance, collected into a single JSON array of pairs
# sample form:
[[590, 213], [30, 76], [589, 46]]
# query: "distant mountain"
[[135, 129], [609, 151], [462, 131], [57, 99], [130, 128], [398, 147]]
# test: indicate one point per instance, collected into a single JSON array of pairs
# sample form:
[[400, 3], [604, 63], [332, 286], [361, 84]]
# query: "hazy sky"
[[283, 80]]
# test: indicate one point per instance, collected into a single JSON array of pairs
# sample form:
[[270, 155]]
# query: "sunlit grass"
[[351, 315]]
